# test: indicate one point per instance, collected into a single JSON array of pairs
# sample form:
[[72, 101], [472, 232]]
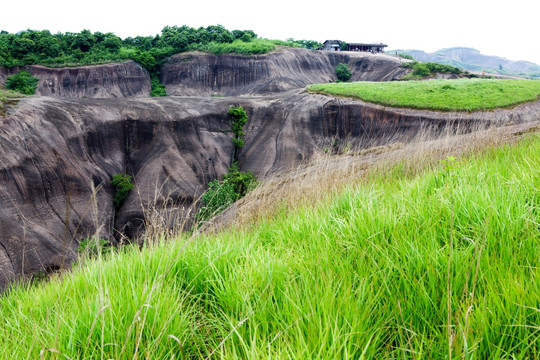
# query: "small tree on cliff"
[[122, 186], [23, 82], [239, 119], [343, 73]]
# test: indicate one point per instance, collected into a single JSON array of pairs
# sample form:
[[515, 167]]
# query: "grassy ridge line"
[[425, 265], [442, 95]]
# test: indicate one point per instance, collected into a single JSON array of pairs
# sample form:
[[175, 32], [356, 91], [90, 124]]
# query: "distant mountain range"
[[472, 60]]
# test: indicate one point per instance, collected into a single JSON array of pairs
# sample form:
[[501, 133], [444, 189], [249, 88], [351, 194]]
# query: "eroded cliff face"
[[200, 74], [57, 157], [117, 80]]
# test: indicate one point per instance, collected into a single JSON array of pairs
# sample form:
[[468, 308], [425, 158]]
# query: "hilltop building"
[[336, 45]]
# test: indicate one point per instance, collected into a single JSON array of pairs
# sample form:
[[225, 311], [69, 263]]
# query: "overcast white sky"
[[509, 29]]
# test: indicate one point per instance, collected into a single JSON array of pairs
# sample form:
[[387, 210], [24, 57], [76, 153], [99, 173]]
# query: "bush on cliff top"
[[22, 82], [343, 72]]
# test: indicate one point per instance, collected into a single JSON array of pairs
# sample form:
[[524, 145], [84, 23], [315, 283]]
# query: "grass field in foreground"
[[442, 95], [439, 264]]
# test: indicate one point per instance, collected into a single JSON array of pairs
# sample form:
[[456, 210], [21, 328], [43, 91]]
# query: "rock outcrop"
[[117, 80], [201, 74], [57, 157]]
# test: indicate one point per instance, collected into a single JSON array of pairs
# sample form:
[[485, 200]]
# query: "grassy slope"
[[445, 95], [6, 97], [423, 264]]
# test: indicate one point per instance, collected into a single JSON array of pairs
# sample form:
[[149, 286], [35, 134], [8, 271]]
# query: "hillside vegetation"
[[32, 47], [443, 95], [86, 48], [439, 262]]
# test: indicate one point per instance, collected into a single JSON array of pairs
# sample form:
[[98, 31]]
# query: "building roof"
[[368, 44], [356, 44]]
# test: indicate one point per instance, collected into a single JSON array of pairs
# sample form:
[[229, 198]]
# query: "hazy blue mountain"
[[472, 59]]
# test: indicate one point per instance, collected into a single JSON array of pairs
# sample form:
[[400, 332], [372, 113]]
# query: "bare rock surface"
[[117, 80], [204, 74]]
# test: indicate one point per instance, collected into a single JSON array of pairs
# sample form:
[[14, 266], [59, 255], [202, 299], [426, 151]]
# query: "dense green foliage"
[[158, 89], [22, 82], [424, 69], [437, 265], [122, 186], [343, 72], [308, 44], [444, 95], [221, 194], [405, 56], [84, 48], [239, 118]]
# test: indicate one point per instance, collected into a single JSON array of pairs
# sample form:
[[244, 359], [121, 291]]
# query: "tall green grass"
[[443, 95], [432, 265]]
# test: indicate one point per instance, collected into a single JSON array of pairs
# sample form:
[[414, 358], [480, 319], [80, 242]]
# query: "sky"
[[509, 29]]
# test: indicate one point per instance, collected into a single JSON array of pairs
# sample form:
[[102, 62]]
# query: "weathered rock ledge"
[[116, 80], [201, 74]]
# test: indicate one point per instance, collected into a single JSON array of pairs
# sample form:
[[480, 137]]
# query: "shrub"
[[242, 182], [239, 117], [405, 56], [23, 82], [421, 69], [221, 194], [410, 65], [123, 186], [216, 199], [158, 89], [343, 73]]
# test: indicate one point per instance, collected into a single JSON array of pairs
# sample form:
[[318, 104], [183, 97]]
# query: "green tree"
[[122, 186], [158, 89], [23, 82], [343, 73], [239, 119]]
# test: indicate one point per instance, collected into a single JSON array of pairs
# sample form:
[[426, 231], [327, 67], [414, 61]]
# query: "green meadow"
[[442, 95]]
